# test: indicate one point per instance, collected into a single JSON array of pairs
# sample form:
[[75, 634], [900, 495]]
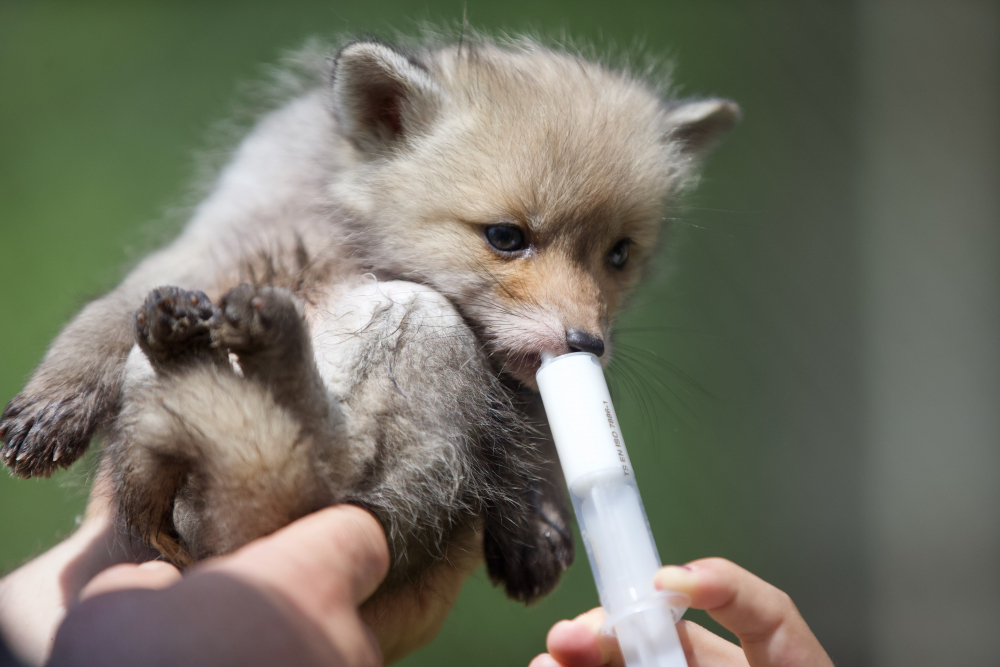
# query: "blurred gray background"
[[810, 381]]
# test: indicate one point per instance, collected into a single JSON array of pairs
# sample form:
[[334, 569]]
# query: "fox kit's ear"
[[698, 125], [382, 96]]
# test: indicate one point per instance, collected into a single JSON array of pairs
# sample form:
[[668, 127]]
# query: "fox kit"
[[357, 309]]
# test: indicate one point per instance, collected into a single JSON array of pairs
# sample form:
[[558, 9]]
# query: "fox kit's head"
[[526, 184]]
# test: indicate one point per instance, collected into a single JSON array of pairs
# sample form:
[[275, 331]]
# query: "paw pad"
[[173, 322]]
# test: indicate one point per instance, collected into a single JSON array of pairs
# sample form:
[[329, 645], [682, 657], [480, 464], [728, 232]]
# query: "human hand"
[[771, 631], [34, 597], [290, 598]]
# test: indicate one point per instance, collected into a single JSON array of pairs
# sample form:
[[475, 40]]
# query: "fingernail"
[[593, 622], [680, 578], [159, 565]]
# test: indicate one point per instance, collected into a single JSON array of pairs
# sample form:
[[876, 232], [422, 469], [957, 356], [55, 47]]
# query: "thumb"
[[338, 555]]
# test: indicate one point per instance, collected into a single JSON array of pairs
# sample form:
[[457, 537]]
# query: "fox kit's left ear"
[[698, 125], [382, 96]]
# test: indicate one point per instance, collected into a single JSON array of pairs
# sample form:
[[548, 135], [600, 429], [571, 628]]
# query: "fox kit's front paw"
[[255, 319], [43, 430], [174, 325], [529, 557]]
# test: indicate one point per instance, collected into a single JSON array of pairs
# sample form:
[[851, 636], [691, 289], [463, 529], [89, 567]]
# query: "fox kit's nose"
[[581, 341]]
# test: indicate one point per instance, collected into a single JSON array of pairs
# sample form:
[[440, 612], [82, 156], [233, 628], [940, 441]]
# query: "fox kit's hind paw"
[[174, 325], [254, 319], [266, 330]]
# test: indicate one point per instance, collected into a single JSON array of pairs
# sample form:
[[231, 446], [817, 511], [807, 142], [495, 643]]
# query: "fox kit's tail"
[[213, 463]]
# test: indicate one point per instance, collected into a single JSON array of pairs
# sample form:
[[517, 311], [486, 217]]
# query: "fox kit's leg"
[[195, 438], [173, 330], [529, 543], [50, 422], [267, 332], [78, 384]]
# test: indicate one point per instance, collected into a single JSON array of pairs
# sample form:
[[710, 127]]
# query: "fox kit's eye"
[[507, 238], [619, 254]]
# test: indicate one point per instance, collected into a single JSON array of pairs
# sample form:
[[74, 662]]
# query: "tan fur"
[[578, 155], [247, 476]]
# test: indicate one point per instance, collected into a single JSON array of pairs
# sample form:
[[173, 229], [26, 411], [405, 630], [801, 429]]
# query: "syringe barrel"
[[609, 510]]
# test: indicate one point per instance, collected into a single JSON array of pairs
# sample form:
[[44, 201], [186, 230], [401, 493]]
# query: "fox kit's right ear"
[[381, 96]]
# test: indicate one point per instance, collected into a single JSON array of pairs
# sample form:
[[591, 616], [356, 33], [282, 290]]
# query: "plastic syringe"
[[609, 511]]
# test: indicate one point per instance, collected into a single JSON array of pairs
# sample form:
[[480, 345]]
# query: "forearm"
[[34, 598]]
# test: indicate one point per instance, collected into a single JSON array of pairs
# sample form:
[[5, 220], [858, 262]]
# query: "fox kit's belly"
[[353, 316]]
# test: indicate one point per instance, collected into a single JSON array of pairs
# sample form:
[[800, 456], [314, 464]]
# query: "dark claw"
[[35, 424]]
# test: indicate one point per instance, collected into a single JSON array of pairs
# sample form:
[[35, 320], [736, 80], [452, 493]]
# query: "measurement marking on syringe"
[[619, 447]]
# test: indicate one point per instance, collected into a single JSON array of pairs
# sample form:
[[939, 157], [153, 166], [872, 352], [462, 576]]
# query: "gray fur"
[[392, 161]]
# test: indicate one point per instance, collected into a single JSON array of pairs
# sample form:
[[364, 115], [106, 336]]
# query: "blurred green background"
[[740, 377]]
